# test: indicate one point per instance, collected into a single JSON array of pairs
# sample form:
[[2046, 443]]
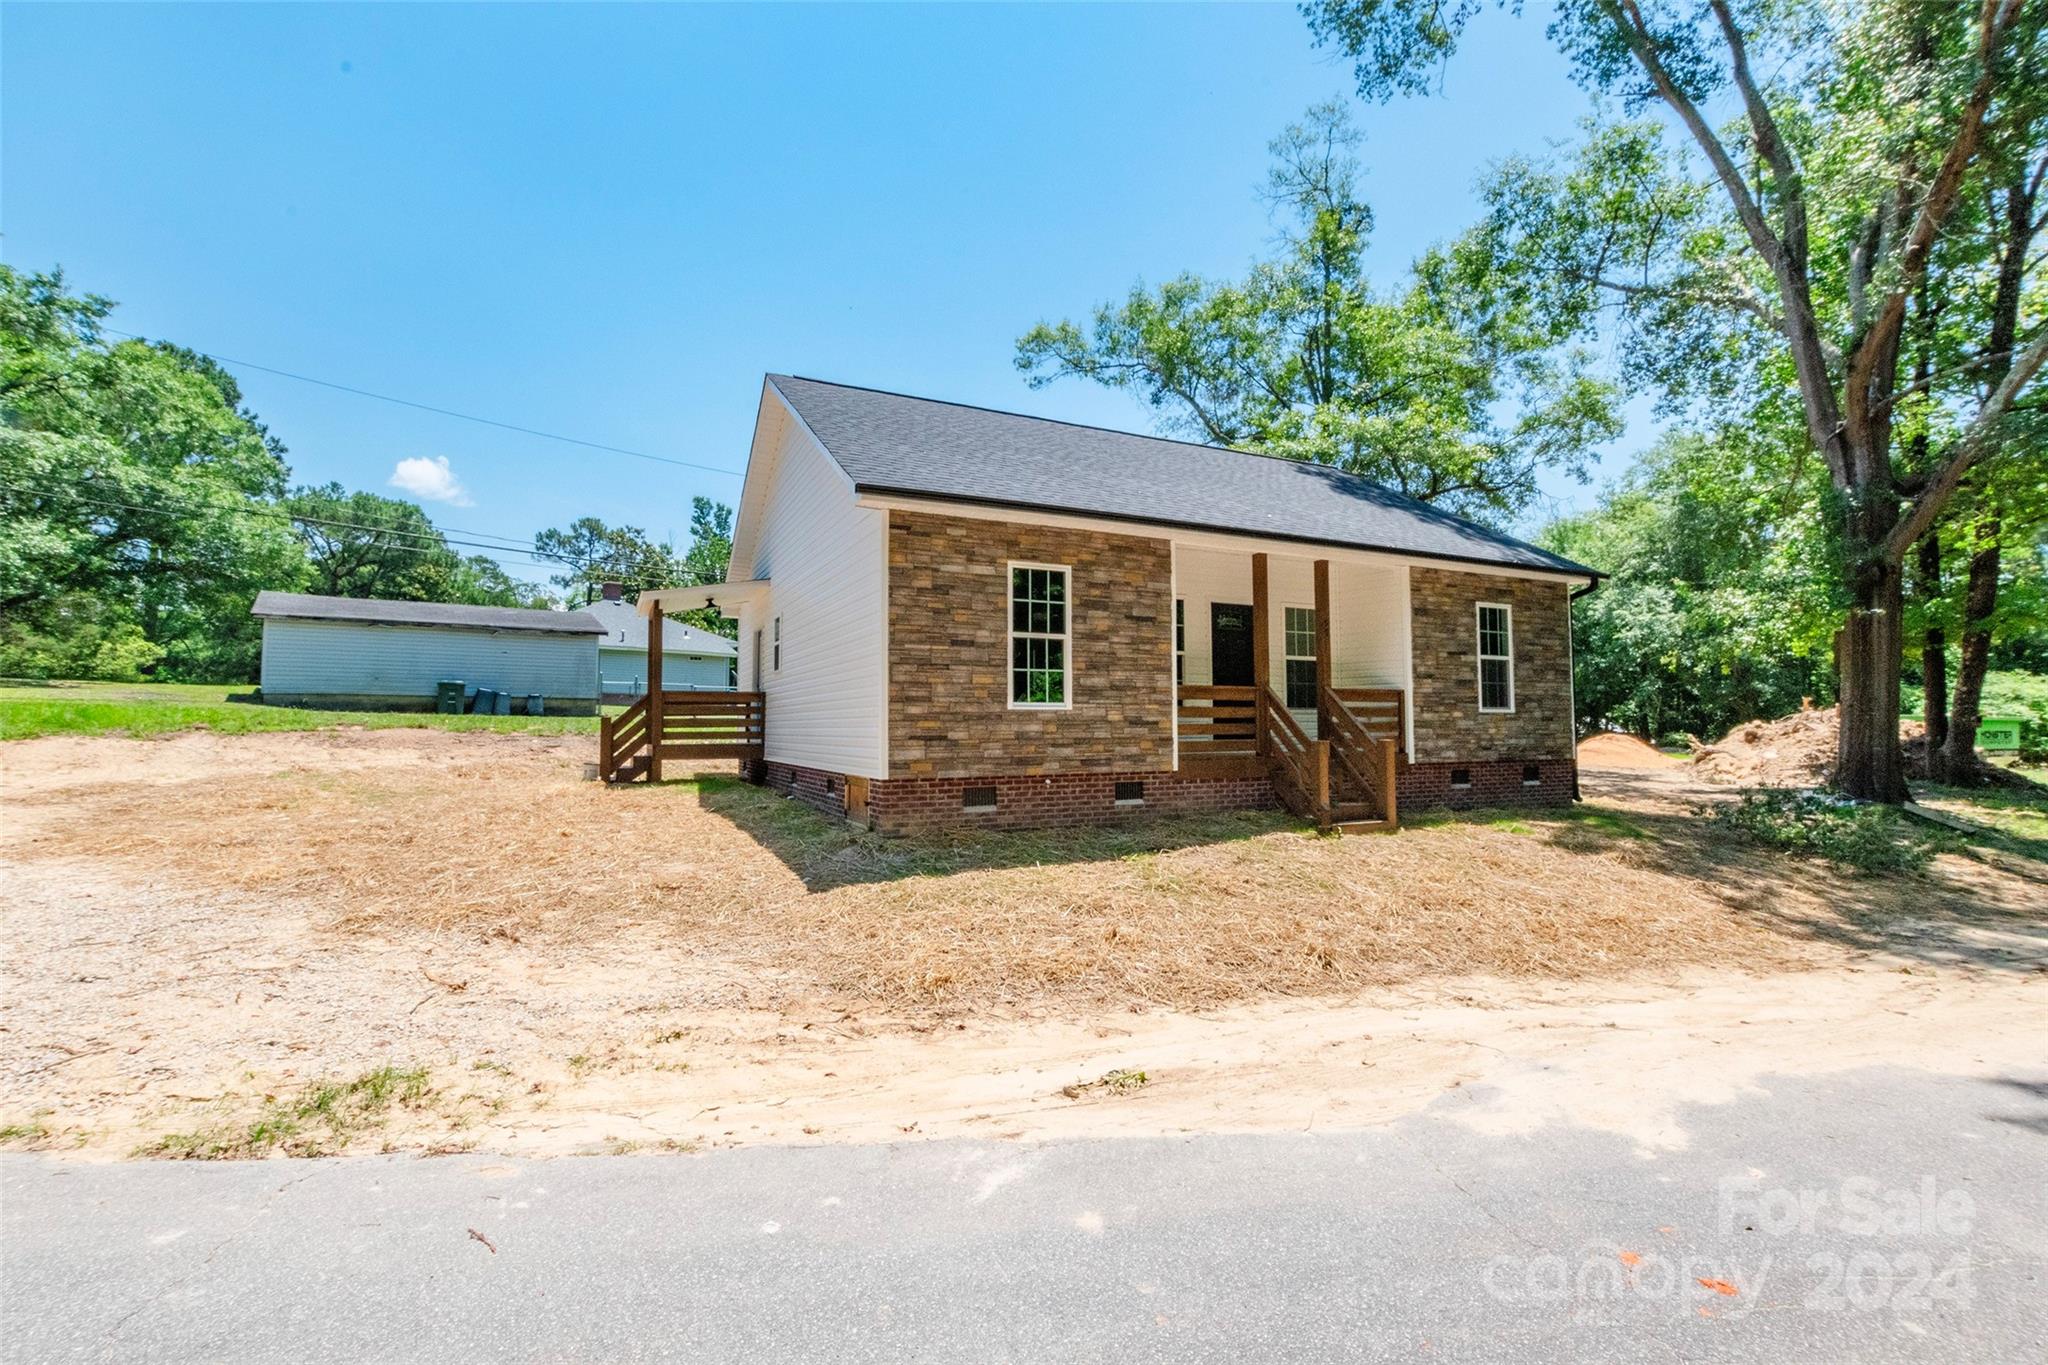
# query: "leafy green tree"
[[362, 544], [1805, 226], [1304, 357], [1715, 613], [705, 561], [593, 554], [138, 494]]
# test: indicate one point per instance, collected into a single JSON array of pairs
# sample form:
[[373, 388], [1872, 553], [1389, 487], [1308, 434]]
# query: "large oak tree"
[[1840, 143]]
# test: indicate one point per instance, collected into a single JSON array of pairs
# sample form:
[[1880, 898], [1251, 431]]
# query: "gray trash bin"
[[486, 702], [504, 703], [534, 705]]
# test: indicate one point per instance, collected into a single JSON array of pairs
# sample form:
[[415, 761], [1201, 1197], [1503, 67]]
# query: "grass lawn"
[[2019, 819], [139, 709]]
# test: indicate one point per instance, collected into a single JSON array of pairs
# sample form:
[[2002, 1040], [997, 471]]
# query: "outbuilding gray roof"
[[625, 628], [378, 611], [891, 443]]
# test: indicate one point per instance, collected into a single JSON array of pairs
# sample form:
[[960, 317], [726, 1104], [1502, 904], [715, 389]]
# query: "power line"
[[445, 412], [533, 555]]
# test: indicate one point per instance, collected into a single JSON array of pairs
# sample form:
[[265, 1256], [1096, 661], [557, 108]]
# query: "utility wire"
[[533, 555], [445, 412]]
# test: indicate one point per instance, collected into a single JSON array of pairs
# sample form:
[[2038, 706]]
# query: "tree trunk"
[[1959, 751], [1868, 764], [1933, 652]]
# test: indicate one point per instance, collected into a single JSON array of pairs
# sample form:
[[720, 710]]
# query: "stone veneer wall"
[[949, 711], [1449, 726]]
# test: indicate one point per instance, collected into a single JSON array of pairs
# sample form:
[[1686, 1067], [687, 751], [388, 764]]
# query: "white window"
[[776, 650], [1496, 657], [1180, 640], [1298, 633], [1040, 636]]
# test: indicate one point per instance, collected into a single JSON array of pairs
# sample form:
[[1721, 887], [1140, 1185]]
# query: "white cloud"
[[429, 480]]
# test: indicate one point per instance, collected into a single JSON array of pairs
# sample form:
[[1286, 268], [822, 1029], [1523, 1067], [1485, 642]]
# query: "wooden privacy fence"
[[679, 725]]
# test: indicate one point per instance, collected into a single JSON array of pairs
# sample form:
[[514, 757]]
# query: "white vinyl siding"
[[1369, 614], [625, 670], [826, 561], [356, 659]]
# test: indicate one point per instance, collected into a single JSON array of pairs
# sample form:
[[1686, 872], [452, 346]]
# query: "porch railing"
[[683, 725], [1219, 722], [1300, 765], [1347, 772]]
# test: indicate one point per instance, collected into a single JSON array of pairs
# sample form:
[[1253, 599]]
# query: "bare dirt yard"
[[225, 945]]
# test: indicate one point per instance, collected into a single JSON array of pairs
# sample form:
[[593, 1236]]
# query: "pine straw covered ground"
[[476, 838]]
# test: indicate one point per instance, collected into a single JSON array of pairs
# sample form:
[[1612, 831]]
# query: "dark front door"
[[1230, 644]]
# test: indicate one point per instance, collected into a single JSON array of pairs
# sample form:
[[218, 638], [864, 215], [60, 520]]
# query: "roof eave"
[[1567, 570]]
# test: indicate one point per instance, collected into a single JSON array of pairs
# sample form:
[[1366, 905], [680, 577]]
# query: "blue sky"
[[608, 222]]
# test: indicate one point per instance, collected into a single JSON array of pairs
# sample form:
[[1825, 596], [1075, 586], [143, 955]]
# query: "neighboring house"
[[692, 660], [354, 652], [956, 616]]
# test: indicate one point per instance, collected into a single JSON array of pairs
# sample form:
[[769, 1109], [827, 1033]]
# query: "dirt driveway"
[[228, 940]]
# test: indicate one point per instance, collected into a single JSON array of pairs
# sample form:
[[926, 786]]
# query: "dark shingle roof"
[[376, 611], [921, 447]]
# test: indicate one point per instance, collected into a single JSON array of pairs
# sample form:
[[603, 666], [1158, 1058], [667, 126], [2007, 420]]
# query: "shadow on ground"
[[1963, 912], [1957, 912], [827, 854]]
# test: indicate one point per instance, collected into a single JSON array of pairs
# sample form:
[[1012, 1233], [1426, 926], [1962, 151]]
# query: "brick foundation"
[[823, 792], [1427, 786], [905, 805]]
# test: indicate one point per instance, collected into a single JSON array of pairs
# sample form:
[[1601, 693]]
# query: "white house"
[[692, 660], [357, 652], [955, 616]]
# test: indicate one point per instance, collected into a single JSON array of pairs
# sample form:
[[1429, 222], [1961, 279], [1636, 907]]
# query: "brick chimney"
[[613, 591]]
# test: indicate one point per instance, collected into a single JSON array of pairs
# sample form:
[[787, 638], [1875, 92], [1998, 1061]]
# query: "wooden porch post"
[[654, 694], [1262, 649], [1326, 663]]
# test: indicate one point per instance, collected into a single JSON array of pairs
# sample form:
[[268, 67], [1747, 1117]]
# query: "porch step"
[[633, 769], [1361, 826]]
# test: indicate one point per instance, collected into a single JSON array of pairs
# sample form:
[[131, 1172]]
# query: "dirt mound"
[[1793, 751], [1611, 750]]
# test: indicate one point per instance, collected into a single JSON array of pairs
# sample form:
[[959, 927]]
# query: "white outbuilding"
[[367, 653]]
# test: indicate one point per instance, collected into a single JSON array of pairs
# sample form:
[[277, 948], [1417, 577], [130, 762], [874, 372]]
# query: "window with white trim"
[[1298, 634], [1040, 635], [1496, 657], [1180, 639]]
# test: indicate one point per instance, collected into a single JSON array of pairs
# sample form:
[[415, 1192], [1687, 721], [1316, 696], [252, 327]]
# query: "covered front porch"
[[667, 723], [1295, 668]]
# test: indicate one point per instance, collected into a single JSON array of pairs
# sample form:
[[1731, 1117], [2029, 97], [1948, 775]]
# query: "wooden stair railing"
[[620, 742], [1369, 760], [693, 725], [1300, 766]]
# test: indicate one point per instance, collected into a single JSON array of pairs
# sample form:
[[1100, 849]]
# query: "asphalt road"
[[1878, 1215]]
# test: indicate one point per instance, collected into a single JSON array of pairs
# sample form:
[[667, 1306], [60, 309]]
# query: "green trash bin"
[[448, 696], [486, 702], [534, 705]]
